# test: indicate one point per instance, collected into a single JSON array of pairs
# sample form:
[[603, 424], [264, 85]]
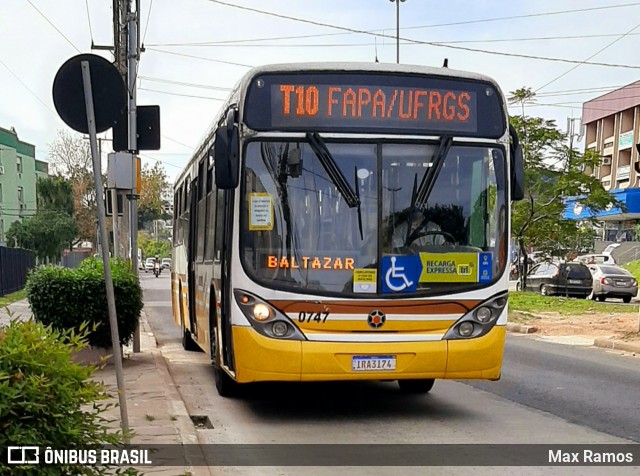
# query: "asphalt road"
[[548, 394], [584, 385]]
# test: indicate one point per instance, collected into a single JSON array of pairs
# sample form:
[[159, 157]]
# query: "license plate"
[[373, 363], [621, 283], [575, 281]]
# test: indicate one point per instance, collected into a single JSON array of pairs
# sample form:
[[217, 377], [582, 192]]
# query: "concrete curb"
[[183, 424], [617, 345], [603, 342], [521, 328]]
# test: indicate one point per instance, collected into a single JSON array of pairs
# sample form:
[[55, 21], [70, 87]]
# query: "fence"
[[14, 265], [73, 259]]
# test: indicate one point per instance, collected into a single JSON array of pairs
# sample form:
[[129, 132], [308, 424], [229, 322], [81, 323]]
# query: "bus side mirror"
[[517, 166], [226, 153]]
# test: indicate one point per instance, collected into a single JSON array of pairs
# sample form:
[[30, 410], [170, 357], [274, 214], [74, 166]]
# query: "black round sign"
[[109, 93]]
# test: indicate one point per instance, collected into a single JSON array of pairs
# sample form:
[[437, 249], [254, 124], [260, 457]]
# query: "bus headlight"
[[480, 320], [261, 312], [279, 328], [483, 314], [266, 319], [465, 329]]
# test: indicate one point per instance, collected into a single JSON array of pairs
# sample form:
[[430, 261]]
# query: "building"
[[612, 128], [19, 172]]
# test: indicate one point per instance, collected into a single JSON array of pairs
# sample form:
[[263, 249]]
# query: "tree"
[[47, 233], [522, 96], [554, 173], [154, 187], [55, 193], [152, 247], [70, 157]]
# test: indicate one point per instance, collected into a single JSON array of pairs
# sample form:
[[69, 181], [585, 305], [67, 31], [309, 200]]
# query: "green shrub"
[[65, 298], [46, 399]]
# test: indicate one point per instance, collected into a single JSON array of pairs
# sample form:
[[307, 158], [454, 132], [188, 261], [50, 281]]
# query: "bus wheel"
[[225, 385], [187, 341], [416, 386]]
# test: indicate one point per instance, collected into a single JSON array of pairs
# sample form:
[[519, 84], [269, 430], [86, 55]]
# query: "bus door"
[[191, 255], [223, 246]]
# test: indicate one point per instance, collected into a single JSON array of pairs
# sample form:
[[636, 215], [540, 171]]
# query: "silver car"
[[612, 282]]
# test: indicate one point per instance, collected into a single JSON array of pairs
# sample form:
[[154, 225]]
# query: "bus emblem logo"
[[376, 319]]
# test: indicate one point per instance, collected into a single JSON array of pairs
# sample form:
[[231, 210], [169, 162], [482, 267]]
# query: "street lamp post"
[[397, 2]]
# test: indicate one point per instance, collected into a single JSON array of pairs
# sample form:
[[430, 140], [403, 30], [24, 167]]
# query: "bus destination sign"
[[368, 106]]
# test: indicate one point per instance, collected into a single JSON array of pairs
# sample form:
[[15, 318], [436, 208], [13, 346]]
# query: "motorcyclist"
[[157, 269]]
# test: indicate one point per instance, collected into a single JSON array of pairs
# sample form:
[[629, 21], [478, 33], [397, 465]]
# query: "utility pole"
[[397, 2], [126, 24], [571, 122], [133, 56]]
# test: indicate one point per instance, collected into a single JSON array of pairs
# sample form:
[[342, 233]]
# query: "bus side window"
[[201, 213], [211, 217], [219, 233]]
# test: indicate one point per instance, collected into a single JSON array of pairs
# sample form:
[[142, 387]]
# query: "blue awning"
[[629, 196]]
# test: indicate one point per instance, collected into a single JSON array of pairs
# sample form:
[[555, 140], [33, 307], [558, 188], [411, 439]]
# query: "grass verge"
[[531, 303], [13, 297]]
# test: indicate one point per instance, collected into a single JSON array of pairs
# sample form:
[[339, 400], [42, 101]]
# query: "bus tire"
[[416, 386], [225, 385], [187, 341]]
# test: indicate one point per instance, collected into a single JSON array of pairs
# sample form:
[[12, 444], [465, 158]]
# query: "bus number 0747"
[[320, 317]]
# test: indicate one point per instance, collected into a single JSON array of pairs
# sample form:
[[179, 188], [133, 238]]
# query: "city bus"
[[349, 222]]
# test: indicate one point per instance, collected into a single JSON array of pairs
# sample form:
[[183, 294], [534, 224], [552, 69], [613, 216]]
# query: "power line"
[[28, 88], [180, 83], [177, 142], [161, 161], [199, 57], [405, 28], [530, 15], [243, 44], [182, 95], [429, 43], [86, 2], [593, 55], [54, 27], [146, 25]]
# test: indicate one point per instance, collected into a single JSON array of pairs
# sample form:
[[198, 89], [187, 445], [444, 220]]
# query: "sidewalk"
[[604, 342], [157, 415]]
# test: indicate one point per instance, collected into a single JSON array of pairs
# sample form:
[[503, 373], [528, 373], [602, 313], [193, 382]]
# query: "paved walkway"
[[157, 415]]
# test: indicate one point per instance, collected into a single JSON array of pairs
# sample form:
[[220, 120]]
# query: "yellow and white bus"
[[349, 221]]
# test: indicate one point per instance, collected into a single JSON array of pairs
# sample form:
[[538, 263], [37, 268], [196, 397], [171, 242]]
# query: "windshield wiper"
[[328, 162], [335, 174], [430, 176]]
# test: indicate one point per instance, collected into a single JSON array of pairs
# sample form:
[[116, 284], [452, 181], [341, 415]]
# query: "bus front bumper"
[[258, 358]]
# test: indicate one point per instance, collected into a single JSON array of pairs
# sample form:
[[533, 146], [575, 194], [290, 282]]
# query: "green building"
[[19, 172]]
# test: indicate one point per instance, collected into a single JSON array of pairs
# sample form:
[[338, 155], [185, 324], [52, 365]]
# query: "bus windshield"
[[419, 223]]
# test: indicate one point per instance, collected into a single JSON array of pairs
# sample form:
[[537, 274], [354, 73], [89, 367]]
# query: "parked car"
[[166, 263], [573, 279], [148, 265], [602, 258], [612, 282]]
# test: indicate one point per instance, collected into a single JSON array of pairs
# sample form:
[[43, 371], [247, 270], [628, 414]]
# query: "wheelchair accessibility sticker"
[[400, 274], [403, 273]]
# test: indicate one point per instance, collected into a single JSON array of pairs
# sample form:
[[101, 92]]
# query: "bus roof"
[[241, 87], [364, 67]]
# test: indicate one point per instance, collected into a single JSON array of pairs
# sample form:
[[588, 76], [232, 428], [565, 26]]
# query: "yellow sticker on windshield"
[[364, 280], [260, 212], [449, 267]]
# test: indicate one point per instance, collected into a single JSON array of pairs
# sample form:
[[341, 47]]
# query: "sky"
[[196, 50]]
